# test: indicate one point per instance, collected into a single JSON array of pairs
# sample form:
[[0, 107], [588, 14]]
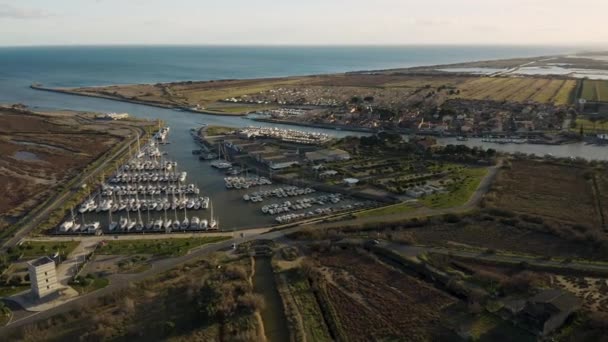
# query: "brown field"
[[562, 193], [39, 152], [188, 94], [504, 237], [371, 301]]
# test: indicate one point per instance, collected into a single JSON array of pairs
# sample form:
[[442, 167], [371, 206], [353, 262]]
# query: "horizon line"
[[593, 46]]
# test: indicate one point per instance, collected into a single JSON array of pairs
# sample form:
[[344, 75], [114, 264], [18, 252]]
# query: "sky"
[[304, 22]]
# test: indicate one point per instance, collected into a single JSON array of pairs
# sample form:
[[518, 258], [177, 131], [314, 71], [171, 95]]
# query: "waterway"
[[275, 323]]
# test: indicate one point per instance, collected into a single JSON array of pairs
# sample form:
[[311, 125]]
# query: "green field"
[[89, 284], [7, 291], [218, 130], [388, 210], [35, 249], [458, 193], [595, 90], [160, 247]]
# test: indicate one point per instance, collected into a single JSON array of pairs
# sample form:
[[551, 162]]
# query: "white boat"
[[122, 223], [92, 227], [66, 226], [204, 224], [158, 225], [185, 224], [195, 223]]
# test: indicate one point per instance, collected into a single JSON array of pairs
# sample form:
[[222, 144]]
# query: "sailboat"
[[175, 224], [111, 224], [68, 224], [149, 223], [185, 223], [123, 223], [195, 223], [212, 222], [76, 226], [167, 223]]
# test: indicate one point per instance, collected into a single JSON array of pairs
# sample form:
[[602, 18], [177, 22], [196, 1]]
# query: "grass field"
[[35, 249], [7, 290], [518, 89], [459, 192], [388, 210], [595, 90], [161, 247], [544, 189], [218, 130], [86, 285]]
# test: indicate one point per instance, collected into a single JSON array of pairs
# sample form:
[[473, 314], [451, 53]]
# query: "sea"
[[76, 66]]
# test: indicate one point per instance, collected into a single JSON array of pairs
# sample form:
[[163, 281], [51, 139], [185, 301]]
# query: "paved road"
[[37, 218], [410, 251]]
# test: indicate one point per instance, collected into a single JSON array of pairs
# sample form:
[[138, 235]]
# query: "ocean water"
[[96, 65]]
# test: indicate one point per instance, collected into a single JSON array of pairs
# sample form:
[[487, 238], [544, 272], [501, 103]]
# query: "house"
[[548, 310], [425, 142], [43, 277], [327, 155], [281, 163], [543, 313], [351, 181]]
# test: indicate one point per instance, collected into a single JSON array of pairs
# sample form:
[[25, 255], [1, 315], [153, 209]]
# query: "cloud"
[[12, 12]]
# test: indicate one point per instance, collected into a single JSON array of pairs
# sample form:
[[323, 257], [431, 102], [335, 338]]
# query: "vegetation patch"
[[160, 247]]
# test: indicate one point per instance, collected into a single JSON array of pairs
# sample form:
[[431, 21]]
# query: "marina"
[[148, 194]]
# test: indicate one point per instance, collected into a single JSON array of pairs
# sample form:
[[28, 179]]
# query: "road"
[[410, 251], [35, 219]]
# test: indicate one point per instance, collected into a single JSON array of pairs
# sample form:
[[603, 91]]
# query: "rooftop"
[[41, 261]]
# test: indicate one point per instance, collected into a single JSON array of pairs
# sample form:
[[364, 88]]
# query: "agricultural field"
[[313, 322], [356, 291], [519, 89], [387, 90], [198, 301], [558, 192], [595, 90]]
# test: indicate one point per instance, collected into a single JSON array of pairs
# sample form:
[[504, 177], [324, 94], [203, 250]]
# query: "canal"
[[273, 316]]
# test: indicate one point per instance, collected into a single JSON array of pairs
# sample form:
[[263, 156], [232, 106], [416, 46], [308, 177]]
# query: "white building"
[[43, 276]]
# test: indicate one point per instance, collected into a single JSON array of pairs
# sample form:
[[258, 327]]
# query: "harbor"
[[146, 194]]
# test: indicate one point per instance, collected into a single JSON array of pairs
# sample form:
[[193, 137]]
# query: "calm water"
[[87, 66]]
